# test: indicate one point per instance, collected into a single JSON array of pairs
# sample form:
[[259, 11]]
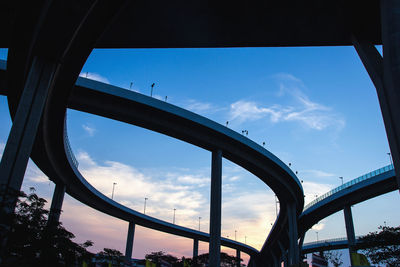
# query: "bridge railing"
[[68, 145], [350, 183], [329, 241]]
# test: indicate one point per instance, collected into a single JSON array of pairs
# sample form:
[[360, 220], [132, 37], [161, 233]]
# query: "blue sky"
[[313, 107]]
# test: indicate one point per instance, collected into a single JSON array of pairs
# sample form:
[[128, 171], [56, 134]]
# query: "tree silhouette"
[[383, 247], [115, 257], [33, 243], [335, 257]]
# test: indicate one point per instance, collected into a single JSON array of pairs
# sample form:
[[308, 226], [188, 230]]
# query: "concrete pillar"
[[21, 138], [385, 73], [284, 254], [238, 258], [129, 242], [294, 257], [195, 251], [351, 237], [215, 209], [274, 259], [56, 204]]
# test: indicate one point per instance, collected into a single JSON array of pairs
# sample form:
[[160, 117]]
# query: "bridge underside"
[[179, 23]]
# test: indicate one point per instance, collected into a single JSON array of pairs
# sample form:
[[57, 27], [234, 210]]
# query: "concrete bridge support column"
[[56, 204], [275, 260], [385, 73], [21, 138], [294, 257], [283, 255], [215, 209], [238, 258], [195, 251], [351, 237], [129, 241]]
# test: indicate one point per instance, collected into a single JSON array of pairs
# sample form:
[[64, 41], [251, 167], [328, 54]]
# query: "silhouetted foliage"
[[32, 243], [226, 260], [383, 247], [335, 257], [160, 256], [202, 260], [111, 255]]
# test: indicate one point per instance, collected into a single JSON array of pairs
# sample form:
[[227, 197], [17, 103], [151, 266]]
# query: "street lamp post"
[[317, 236], [174, 216], [152, 86], [112, 194], [390, 158], [144, 208], [235, 234], [341, 178], [199, 223]]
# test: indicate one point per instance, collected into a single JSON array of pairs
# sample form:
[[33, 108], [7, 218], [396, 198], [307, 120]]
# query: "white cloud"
[[250, 214], [246, 110], [310, 114], [90, 130], [316, 174], [201, 107], [190, 179], [94, 76], [319, 226], [132, 186], [313, 190]]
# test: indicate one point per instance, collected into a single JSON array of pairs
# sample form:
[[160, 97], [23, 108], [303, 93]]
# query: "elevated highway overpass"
[[49, 41]]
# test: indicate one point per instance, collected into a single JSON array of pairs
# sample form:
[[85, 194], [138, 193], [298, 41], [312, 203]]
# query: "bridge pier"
[[21, 138], [195, 251], [129, 241], [237, 258], [294, 257], [351, 237], [283, 255], [385, 73], [215, 209], [56, 204], [274, 260]]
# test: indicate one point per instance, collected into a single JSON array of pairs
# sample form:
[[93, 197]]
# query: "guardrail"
[[68, 145], [350, 183], [329, 241]]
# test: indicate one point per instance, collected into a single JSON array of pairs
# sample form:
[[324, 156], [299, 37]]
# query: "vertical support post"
[[274, 259], [294, 256], [390, 21], [237, 258], [195, 251], [215, 209], [20, 140], [56, 204], [351, 237], [129, 242], [385, 74], [284, 254]]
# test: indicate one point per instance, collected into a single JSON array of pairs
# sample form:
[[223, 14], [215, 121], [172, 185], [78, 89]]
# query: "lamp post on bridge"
[[174, 216], [112, 194], [144, 208], [317, 236], [390, 158], [199, 222], [341, 178]]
